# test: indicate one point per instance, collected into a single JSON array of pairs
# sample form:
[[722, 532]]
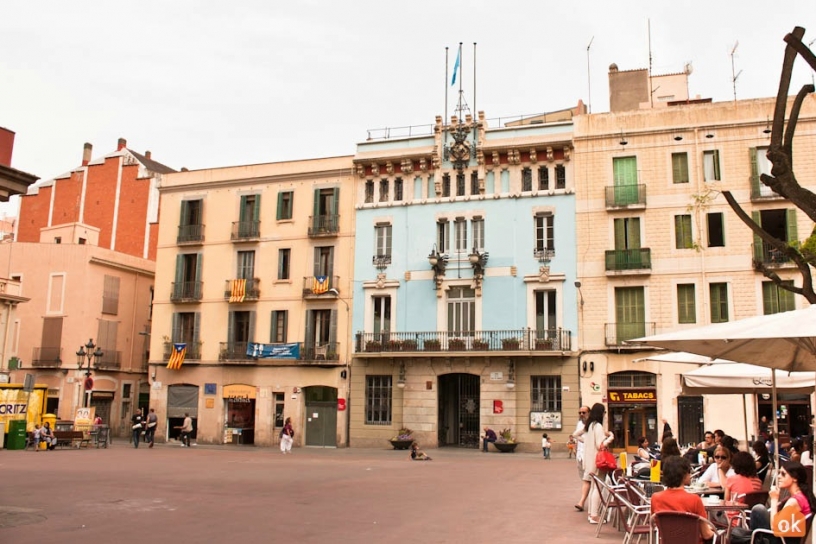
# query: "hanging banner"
[[273, 351]]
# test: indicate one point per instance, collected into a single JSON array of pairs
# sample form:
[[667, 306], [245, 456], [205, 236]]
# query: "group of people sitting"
[[43, 434]]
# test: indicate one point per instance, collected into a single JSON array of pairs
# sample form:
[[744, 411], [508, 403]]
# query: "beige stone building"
[[659, 249], [253, 284]]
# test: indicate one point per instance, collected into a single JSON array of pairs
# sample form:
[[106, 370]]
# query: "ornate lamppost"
[[89, 352]]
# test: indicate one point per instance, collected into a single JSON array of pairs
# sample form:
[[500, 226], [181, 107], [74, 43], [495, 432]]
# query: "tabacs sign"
[[632, 396]]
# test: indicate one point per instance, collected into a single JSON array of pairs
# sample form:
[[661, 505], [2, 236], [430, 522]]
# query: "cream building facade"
[[659, 249], [254, 278]]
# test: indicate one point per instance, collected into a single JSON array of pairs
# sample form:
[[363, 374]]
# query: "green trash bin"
[[17, 435]]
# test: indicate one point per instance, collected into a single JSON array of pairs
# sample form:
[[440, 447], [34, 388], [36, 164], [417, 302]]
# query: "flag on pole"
[[456, 66], [177, 356]]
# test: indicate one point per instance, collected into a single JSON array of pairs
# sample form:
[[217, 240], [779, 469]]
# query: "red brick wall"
[[131, 223], [6, 146], [33, 215], [67, 197], [100, 195]]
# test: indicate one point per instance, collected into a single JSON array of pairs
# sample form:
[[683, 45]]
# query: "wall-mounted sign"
[[632, 396], [209, 388], [239, 393], [341, 404], [498, 407], [545, 420], [497, 376]]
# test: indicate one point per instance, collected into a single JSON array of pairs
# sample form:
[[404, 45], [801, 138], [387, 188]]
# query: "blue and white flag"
[[273, 351], [456, 66]]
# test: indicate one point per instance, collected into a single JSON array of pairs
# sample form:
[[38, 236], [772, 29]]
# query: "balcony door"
[[630, 313], [382, 317], [461, 311], [625, 180], [321, 331], [546, 320]]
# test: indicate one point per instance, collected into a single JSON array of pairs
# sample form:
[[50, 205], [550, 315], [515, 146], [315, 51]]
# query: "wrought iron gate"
[[690, 419], [459, 410]]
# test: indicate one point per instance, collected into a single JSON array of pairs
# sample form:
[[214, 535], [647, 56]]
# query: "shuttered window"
[[775, 299], [719, 302], [682, 232], [680, 168], [686, 304]]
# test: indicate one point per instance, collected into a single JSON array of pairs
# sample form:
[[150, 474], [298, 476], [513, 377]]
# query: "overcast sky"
[[205, 84]]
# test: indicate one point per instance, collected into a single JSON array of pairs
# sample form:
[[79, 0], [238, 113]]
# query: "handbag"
[[604, 460]]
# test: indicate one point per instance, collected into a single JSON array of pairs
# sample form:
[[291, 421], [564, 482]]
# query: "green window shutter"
[[792, 229], [242, 213], [185, 212], [624, 170], [333, 327], [251, 337], [716, 155], [770, 302], [759, 250], [199, 262], [176, 334], [620, 234], [179, 270], [196, 329], [634, 233], [309, 340], [680, 168], [279, 215], [630, 313], [786, 299], [718, 293], [755, 183], [682, 231], [316, 205], [317, 261], [686, 304], [231, 328], [336, 201], [273, 328]]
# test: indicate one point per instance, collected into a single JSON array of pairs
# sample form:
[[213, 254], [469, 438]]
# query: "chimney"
[[147, 155], [184, 169], [86, 154], [122, 144]]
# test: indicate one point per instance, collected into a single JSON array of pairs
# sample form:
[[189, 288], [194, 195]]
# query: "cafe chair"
[[757, 534], [635, 512], [750, 499], [682, 528], [609, 502]]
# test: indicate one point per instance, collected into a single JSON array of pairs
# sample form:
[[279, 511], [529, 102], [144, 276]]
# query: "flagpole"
[[460, 81], [475, 111], [445, 118]]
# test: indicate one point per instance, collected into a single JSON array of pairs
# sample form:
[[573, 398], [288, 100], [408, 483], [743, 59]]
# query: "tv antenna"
[[589, 81], [734, 76]]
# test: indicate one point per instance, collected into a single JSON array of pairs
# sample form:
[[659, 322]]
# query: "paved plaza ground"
[[245, 494]]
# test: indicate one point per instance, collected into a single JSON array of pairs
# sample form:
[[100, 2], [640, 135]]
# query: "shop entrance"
[[239, 402], [459, 410], [321, 416], [629, 423], [181, 399]]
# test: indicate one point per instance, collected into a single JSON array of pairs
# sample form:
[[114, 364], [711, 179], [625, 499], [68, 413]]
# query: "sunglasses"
[[582, 413], [720, 457]]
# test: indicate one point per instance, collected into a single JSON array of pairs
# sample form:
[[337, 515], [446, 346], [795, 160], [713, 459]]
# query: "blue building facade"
[[465, 301]]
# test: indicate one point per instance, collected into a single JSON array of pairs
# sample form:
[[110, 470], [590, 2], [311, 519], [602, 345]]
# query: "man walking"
[[150, 432], [136, 426], [186, 430], [583, 414]]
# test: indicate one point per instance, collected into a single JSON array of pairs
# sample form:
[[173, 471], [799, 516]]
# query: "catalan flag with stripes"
[[177, 356], [237, 290], [320, 285]]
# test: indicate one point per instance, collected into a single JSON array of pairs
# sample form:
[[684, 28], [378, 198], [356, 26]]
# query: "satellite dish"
[[688, 68]]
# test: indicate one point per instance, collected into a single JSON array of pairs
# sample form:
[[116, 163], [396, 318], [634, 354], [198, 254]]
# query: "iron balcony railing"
[[110, 359], [251, 290], [618, 333], [319, 285], [190, 234], [324, 225], [629, 259], [46, 357], [473, 341], [625, 195], [236, 352], [245, 230], [193, 351], [186, 291], [770, 256]]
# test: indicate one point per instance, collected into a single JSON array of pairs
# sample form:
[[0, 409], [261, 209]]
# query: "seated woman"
[[762, 458], [806, 457], [417, 455], [743, 481], [792, 478], [642, 454], [47, 436], [797, 446], [669, 448], [719, 470], [676, 475]]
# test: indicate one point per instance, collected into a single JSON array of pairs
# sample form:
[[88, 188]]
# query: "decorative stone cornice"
[[407, 166]]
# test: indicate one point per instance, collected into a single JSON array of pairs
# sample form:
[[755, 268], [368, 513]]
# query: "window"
[[324, 261], [280, 323], [474, 183], [544, 232], [627, 233], [775, 299], [760, 165], [782, 225], [625, 179], [477, 226], [682, 232], [526, 179], [321, 328], [382, 239], [711, 165], [461, 311], [246, 265], [446, 185], [560, 176], [110, 295], [188, 276], [285, 203], [383, 190], [51, 340], [716, 231], [249, 215], [186, 328], [82, 241], [378, 400], [545, 393], [545, 308], [680, 168], [543, 178], [460, 184], [280, 402], [686, 306], [718, 293], [58, 239], [382, 317], [630, 313], [398, 189], [460, 234], [190, 227], [443, 236], [284, 261], [240, 330], [369, 191]]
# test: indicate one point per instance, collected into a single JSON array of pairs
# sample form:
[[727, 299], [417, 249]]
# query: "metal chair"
[[321, 351], [609, 501], [635, 512], [681, 527]]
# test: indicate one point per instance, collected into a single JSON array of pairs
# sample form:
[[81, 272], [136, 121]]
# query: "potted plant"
[[480, 345], [403, 440], [510, 344], [543, 344], [373, 345], [409, 345], [432, 345], [505, 442], [456, 344], [393, 345]]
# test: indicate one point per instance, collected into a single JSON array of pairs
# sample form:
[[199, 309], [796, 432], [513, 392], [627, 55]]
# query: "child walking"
[[571, 447], [545, 445]]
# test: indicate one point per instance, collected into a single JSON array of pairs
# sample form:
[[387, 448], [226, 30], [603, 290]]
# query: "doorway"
[[459, 411], [629, 423], [321, 417]]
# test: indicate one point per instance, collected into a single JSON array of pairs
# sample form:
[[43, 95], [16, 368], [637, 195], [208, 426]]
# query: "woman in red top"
[[676, 474], [743, 481]]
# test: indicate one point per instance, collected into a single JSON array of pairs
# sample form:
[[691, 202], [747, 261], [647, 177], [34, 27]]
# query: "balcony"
[[242, 290], [42, 357], [324, 225], [317, 286], [618, 333], [245, 231], [770, 257], [474, 342], [190, 234], [618, 260], [110, 360], [381, 261], [625, 196], [236, 353], [186, 291], [193, 351]]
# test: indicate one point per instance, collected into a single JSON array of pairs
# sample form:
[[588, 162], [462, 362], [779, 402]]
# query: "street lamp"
[[88, 353]]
